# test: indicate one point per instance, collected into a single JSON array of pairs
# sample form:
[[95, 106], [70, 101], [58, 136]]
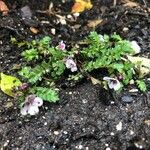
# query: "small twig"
[[144, 3], [46, 79], [137, 13], [115, 2]]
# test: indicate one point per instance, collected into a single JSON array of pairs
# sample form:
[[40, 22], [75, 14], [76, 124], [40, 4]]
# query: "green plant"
[[141, 85], [45, 63], [109, 54], [42, 61], [46, 94]]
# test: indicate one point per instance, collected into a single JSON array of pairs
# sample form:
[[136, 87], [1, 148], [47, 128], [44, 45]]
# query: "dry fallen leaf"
[[95, 81], [16, 67], [8, 83], [129, 3], [94, 23], [34, 30], [142, 65], [81, 5], [147, 122], [3, 8]]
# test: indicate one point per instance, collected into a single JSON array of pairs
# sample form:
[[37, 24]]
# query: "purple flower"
[[24, 86], [113, 83], [70, 64], [62, 45], [31, 104], [120, 77]]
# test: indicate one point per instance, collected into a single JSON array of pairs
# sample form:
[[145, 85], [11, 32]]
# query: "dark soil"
[[86, 117]]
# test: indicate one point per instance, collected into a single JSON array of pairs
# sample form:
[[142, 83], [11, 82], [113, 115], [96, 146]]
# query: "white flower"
[[29, 109], [113, 83], [37, 102], [136, 48], [70, 64], [31, 105]]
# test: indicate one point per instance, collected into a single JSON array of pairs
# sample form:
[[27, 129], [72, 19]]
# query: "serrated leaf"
[[30, 54], [8, 83], [141, 85], [47, 94], [118, 66]]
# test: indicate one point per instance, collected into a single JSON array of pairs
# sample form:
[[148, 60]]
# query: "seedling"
[[46, 63]]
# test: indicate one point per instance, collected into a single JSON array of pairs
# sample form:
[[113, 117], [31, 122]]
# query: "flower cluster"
[[62, 45], [31, 105], [70, 64]]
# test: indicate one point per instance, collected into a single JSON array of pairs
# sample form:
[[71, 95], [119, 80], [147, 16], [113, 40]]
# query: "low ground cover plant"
[[45, 64]]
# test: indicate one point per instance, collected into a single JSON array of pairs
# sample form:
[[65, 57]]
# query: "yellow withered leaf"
[[142, 65], [81, 5], [8, 83], [95, 81], [94, 23]]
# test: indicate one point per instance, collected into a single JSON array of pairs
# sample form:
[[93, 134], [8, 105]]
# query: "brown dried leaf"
[[130, 4], [95, 81], [94, 23], [34, 30], [3, 8]]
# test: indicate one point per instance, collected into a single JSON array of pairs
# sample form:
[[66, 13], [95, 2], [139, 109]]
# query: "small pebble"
[[112, 102], [45, 22], [63, 21], [76, 14], [70, 93], [133, 90], [53, 31], [65, 132], [125, 29], [45, 123], [84, 101], [119, 126], [131, 132], [43, 117], [112, 133], [108, 148], [138, 145], [20, 138], [127, 99], [6, 143], [69, 16], [79, 147], [56, 132]]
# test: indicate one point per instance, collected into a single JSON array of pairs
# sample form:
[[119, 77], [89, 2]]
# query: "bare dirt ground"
[[86, 117]]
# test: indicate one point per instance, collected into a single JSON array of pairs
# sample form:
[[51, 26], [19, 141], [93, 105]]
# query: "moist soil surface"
[[87, 117]]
